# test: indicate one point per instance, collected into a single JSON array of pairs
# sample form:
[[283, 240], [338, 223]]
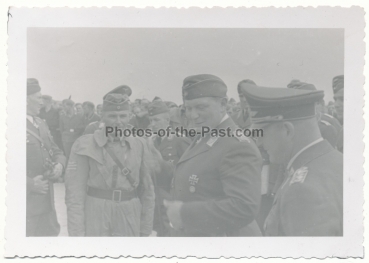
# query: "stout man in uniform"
[[216, 185]]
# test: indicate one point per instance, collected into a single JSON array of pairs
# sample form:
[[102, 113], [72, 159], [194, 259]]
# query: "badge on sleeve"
[[194, 179], [299, 176]]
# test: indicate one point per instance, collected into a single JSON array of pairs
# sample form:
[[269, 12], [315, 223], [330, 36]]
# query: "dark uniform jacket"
[[71, 127], [38, 153], [171, 149], [91, 119], [218, 179], [51, 117], [309, 202]]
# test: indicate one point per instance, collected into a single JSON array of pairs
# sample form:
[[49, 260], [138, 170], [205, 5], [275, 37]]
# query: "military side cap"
[[280, 104], [157, 98], [157, 107], [32, 86], [68, 102], [89, 104], [47, 97], [170, 104], [123, 89], [204, 85], [296, 84], [245, 81], [115, 102], [338, 83]]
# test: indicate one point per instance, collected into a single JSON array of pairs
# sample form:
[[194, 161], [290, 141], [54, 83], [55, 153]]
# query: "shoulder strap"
[[41, 141], [125, 171]]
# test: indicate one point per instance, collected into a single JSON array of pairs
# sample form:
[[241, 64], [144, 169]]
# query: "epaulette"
[[329, 116], [38, 119], [211, 141], [325, 122], [241, 138]]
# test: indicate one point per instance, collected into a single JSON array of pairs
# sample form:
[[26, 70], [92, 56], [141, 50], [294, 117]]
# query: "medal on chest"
[[193, 179]]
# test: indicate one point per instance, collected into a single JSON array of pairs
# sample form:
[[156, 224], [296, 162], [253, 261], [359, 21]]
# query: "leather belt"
[[116, 195]]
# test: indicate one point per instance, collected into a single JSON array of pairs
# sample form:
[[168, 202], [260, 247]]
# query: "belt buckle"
[[119, 195], [125, 171]]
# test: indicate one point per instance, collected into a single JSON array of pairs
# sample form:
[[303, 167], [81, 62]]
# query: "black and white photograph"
[[165, 133]]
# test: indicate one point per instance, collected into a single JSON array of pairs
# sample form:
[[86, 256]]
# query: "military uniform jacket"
[[90, 165], [94, 118], [37, 154], [309, 202], [171, 147], [71, 127], [51, 117], [218, 179]]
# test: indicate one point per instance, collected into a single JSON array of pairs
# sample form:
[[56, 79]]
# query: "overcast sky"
[[88, 62]]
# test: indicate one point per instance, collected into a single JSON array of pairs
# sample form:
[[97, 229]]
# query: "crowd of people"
[[287, 182]]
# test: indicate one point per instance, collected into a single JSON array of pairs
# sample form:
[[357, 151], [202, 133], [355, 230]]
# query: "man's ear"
[[290, 129]]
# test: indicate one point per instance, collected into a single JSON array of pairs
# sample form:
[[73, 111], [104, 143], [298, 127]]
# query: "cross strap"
[[49, 150], [125, 171]]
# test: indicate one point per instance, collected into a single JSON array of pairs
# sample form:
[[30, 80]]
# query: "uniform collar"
[[301, 151]]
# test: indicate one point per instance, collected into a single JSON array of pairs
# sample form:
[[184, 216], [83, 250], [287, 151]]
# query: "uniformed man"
[[243, 118], [89, 113], [71, 126], [141, 119], [79, 109], [270, 171], [51, 116], [310, 196], [216, 185], [98, 109], [178, 117], [109, 191], [171, 149], [328, 131], [338, 95], [45, 162]]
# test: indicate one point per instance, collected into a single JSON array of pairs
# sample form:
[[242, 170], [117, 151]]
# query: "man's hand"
[[40, 186], [174, 213], [57, 172]]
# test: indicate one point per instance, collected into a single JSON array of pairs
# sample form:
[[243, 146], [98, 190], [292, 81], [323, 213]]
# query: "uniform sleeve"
[[58, 155], [306, 211], [75, 184], [146, 192], [240, 172]]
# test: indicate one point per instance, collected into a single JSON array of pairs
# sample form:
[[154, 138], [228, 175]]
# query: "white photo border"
[[350, 245]]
